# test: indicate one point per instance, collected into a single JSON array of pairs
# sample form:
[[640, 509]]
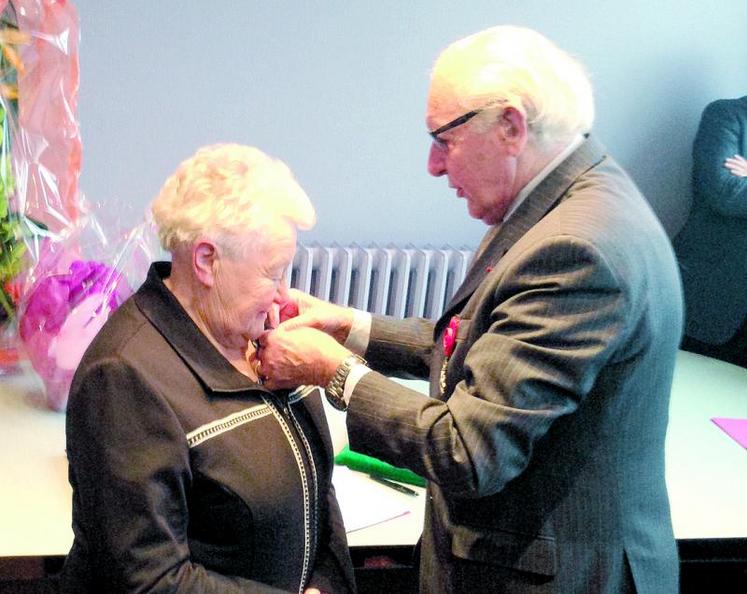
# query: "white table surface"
[[706, 469]]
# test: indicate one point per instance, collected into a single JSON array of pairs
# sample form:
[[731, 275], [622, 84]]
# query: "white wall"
[[337, 90]]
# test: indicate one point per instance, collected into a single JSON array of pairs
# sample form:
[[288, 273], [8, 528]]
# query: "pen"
[[393, 485]]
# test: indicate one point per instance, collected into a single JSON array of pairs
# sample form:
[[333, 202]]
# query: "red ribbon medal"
[[449, 343]]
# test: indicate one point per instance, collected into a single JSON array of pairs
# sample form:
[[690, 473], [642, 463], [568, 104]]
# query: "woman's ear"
[[205, 261]]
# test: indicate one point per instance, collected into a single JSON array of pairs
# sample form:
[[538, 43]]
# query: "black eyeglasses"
[[463, 119]]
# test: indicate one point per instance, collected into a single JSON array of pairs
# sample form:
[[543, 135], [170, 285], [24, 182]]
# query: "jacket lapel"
[[543, 198]]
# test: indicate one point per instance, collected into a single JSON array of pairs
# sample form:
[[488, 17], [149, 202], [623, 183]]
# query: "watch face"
[[335, 400]]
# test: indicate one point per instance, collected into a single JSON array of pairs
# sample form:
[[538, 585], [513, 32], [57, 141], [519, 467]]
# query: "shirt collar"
[[535, 181], [168, 316]]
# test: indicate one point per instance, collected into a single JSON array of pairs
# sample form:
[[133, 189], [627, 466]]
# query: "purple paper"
[[63, 313], [734, 428]]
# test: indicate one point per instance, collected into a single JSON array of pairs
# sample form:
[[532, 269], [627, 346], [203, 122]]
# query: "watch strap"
[[335, 389]]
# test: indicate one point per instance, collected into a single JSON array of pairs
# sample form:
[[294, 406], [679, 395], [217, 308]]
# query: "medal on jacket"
[[449, 343]]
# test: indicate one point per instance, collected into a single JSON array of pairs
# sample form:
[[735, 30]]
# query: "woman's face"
[[246, 287]]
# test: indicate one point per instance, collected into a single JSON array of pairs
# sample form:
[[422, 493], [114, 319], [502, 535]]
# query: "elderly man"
[[550, 370]]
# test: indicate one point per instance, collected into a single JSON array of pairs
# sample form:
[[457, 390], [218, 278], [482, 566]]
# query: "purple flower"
[[54, 347]]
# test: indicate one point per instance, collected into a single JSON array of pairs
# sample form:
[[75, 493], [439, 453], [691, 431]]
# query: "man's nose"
[[436, 160]]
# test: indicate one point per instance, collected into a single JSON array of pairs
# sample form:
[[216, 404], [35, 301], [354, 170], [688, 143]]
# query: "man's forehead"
[[442, 105]]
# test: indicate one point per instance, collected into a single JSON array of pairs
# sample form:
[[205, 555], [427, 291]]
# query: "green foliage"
[[12, 248]]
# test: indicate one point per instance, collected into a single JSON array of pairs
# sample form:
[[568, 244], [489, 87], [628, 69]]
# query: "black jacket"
[[188, 477]]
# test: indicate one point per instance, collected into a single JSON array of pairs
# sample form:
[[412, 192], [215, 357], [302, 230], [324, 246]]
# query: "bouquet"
[[78, 281], [39, 143]]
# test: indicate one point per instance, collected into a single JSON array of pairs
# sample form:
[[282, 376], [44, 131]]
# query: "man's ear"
[[513, 129], [205, 261]]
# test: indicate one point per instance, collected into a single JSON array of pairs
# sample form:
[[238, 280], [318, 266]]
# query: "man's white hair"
[[514, 66], [229, 193]]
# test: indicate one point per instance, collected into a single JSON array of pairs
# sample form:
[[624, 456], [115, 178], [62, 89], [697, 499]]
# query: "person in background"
[[551, 367], [712, 245], [188, 475]]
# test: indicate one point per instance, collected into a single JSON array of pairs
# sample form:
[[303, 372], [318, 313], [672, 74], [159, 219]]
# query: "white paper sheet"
[[364, 502]]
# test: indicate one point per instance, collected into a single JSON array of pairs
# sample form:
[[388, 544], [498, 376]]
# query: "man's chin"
[[475, 213]]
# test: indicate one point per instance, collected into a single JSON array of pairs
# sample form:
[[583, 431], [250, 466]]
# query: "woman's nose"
[[281, 294]]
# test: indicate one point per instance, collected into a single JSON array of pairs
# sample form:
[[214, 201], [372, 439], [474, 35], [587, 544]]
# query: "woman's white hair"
[[518, 67], [229, 193]]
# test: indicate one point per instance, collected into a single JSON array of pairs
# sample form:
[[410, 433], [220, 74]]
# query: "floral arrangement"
[[61, 272]]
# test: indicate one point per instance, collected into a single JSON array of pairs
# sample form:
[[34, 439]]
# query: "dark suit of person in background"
[[543, 435], [712, 246]]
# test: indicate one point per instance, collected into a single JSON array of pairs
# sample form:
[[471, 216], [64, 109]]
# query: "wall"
[[337, 90]]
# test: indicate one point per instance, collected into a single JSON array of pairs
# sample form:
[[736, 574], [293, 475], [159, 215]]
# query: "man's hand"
[[290, 357], [737, 165], [302, 309]]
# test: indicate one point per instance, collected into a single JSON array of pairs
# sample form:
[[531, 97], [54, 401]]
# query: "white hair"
[[518, 67], [229, 193]]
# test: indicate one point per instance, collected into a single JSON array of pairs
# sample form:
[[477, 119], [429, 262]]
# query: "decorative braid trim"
[[205, 432]]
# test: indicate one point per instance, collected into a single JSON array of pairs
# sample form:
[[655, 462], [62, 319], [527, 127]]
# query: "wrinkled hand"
[[290, 357], [737, 165], [302, 309]]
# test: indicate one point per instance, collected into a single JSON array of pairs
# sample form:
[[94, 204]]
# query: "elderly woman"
[[187, 474]]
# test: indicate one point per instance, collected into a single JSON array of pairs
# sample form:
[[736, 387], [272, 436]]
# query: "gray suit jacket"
[[712, 246], [546, 451]]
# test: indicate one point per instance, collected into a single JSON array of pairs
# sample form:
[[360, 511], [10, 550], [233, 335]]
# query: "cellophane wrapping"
[[79, 279], [65, 264]]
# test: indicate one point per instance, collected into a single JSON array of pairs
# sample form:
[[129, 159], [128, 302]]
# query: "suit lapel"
[[543, 198]]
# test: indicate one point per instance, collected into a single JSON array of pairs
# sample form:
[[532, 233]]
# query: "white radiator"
[[400, 282]]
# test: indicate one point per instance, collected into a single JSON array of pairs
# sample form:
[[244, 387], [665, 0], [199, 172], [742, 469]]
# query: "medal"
[[449, 343]]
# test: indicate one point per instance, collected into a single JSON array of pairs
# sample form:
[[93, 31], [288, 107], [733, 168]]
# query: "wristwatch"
[[336, 386]]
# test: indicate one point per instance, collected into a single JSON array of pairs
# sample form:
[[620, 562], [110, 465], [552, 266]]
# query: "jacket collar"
[[161, 307], [543, 198]]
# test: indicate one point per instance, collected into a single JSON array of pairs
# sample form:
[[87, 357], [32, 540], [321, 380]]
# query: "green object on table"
[[371, 465]]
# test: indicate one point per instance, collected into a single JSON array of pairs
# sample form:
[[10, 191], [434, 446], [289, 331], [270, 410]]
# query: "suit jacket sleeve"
[[129, 462], [552, 320], [402, 349], [721, 135]]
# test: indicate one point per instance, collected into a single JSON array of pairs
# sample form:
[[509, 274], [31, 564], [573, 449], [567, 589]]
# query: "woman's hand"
[[737, 165]]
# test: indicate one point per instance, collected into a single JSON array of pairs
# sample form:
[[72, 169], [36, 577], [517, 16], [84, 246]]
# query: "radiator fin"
[[400, 282]]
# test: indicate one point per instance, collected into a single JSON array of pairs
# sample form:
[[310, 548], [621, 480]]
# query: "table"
[[35, 497], [706, 469]]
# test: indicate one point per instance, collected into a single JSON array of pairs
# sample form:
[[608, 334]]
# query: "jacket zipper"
[[307, 508]]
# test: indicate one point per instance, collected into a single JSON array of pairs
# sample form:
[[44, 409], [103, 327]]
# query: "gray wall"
[[337, 90]]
